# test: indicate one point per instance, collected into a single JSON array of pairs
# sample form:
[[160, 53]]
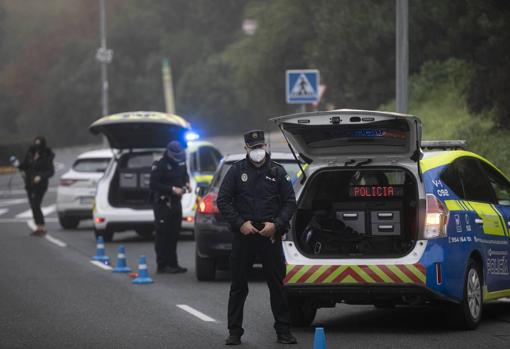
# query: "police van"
[[386, 219]]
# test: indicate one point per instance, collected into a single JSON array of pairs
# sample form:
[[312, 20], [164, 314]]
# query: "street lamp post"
[[104, 56], [402, 53]]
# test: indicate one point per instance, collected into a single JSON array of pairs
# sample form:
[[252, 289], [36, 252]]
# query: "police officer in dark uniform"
[[257, 199], [169, 180]]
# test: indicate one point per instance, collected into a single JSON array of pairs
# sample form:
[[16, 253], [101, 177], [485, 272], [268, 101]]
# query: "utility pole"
[[104, 56], [402, 53], [168, 89]]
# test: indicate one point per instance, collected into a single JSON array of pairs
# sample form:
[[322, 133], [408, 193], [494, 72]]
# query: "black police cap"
[[254, 137]]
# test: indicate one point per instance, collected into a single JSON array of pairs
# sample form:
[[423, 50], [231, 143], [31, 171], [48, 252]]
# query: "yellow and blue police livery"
[[386, 219]]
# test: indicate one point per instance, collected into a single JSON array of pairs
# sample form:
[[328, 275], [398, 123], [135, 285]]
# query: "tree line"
[[226, 80]]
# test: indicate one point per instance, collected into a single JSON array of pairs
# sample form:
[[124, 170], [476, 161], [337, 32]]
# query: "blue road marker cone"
[[121, 266], [100, 254], [319, 341], [143, 273]]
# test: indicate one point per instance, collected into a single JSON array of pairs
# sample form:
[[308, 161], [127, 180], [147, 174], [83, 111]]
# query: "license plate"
[[86, 201]]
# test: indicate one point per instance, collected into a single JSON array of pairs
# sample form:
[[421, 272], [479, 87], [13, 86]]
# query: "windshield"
[[91, 165]]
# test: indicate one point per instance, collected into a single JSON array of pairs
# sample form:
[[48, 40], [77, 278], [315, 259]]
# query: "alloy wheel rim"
[[474, 294]]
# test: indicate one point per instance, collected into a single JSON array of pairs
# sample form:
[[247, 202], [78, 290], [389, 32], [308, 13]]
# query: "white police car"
[[122, 201], [379, 222]]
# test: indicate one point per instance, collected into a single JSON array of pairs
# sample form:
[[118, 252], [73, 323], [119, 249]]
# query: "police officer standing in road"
[[257, 199], [37, 168], [169, 180]]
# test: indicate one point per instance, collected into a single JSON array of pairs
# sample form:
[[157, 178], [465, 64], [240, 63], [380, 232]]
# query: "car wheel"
[[467, 314], [302, 311], [205, 268], [146, 233], [107, 234], [67, 222]]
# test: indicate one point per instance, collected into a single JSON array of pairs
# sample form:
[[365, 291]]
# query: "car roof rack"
[[444, 145]]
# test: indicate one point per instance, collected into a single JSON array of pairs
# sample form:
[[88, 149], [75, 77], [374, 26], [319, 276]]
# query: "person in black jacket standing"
[[257, 200], [169, 180], [37, 168]]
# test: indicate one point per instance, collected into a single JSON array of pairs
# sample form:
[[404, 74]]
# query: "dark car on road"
[[212, 233]]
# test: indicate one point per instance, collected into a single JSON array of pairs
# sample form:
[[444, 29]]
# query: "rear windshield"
[[389, 136], [291, 167], [91, 165]]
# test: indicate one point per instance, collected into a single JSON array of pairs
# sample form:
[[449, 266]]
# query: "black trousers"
[[168, 226], [244, 249], [35, 195]]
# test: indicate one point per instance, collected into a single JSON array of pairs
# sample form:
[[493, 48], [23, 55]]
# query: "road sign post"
[[302, 87]]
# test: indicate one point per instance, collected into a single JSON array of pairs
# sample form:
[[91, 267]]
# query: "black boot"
[[285, 338]]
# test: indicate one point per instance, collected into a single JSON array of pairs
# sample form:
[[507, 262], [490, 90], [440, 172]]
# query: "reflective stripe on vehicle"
[[355, 274]]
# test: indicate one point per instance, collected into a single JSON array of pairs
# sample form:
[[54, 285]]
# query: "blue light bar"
[[191, 136]]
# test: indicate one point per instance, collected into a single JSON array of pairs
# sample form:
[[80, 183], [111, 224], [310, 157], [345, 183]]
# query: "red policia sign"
[[377, 191]]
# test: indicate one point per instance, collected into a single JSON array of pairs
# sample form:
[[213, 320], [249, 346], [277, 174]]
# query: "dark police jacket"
[[165, 174], [262, 194]]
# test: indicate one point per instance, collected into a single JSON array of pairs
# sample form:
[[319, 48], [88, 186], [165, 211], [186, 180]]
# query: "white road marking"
[[24, 220], [11, 202], [3, 211], [101, 265], [45, 210], [196, 313], [32, 226], [55, 241], [23, 191]]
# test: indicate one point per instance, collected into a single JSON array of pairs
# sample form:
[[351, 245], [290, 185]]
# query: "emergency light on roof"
[[444, 145]]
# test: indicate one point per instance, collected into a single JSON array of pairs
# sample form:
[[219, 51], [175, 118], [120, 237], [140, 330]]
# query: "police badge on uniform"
[[244, 177]]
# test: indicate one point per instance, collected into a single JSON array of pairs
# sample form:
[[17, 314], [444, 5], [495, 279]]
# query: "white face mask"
[[257, 155]]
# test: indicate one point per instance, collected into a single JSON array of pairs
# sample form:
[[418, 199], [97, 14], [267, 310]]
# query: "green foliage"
[[437, 96]]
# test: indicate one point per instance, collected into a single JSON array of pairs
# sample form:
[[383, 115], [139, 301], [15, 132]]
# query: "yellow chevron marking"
[[453, 205], [334, 274], [381, 274], [416, 272], [290, 267], [300, 273], [400, 274], [363, 274], [316, 274], [348, 280]]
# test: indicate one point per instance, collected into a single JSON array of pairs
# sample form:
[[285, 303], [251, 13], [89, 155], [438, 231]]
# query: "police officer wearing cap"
[[257, 200], [169, 180]]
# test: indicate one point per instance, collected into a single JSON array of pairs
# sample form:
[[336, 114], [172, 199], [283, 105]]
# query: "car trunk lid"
[[352, 137], [136, 130]]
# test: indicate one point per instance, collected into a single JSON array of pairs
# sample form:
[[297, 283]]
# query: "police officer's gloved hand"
[[269, 229]]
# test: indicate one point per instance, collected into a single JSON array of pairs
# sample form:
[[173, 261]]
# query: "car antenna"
[[303, 179]]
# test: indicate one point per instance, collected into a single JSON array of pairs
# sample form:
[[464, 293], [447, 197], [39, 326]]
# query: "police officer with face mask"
[[258, 201], [169, 180]]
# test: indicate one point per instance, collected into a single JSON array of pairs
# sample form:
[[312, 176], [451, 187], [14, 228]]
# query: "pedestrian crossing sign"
[[302, 86]]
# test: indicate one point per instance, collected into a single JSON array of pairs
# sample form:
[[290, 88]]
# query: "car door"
[[498, 259], [490, 232]]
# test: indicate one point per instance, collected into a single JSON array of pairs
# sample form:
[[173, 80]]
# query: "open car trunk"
[[358, 213], [130, 183]]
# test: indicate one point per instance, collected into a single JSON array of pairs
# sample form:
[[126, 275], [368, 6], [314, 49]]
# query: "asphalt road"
[[51, 296]]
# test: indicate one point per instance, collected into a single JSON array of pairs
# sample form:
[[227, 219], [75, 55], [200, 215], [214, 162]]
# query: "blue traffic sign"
[[302, 86]]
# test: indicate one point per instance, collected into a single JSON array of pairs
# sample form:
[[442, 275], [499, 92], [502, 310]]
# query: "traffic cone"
[[143, 273], [100, 254], [121, 265], [319, 340]]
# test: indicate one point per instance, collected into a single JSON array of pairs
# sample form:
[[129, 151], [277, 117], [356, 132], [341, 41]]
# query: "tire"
[[146, 233], [302, 312], [107, 234], [67, 222], [205, 268], [467, 314]]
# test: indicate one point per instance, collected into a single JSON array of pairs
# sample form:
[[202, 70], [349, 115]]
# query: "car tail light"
[[208, 204], [67, 182], [436, 218], [99, 220], [188, 219]]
